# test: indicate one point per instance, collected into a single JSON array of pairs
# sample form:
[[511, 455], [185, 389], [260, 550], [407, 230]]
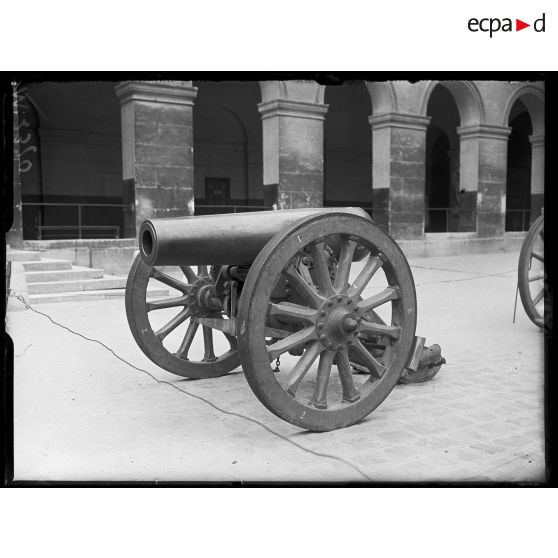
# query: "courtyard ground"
[[80, 413]]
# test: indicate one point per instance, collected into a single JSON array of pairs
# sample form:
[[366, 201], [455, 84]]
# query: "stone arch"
[[533, 99], [467, 98], [382, 96], [524, 113]]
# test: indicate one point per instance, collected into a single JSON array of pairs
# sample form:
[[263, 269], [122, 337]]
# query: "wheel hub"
[[201, 299], [338, 322]]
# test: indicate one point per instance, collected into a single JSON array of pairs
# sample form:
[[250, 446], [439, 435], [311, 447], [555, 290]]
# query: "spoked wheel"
[[167, 329], [307, 302], [531, 277]]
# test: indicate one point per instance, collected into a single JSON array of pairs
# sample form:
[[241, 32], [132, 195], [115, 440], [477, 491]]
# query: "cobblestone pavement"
[[81, 414]]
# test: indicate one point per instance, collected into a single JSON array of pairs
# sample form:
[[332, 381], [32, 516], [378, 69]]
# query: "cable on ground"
[[21, 299]]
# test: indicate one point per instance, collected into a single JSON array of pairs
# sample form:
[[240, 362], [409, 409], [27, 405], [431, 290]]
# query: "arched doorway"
[[518, 176], [442, 207], [228, 168], [71, 161], [348, 146]]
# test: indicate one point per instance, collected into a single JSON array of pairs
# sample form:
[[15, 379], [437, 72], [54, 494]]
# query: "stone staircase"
[[57, 280]]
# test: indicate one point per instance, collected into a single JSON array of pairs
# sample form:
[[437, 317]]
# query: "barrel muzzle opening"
[[147, 243]]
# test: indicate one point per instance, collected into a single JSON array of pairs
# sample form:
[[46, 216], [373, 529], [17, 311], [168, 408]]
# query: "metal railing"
[[202, 209], [524, 217], [80, 227], [62, 229], [448, 214]]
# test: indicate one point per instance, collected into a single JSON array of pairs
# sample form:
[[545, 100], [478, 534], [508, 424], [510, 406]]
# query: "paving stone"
[[514, 441], [489, 448], [457, 421], [494, 427], [428, 428], [402, 451], [397, 436]]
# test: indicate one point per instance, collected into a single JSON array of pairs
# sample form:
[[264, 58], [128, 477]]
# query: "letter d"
[[536, 25]]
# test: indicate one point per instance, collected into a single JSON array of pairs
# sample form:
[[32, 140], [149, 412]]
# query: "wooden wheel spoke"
[[302, 366], [389, 293], [321, 270], [366, 273], [166, 303], [538, 297], [169, 281], [341, 283], [202, 271], [350, 392], [290, 342], [182, 351], [536, 277], [376, 368], [308, 292], [537, 256], [209, 354], [391, 332], [289, 312], [173, 324], [188, 273], [319, 397]]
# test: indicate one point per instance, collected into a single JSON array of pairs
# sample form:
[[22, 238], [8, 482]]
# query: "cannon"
[[531, 279], [325, 290]]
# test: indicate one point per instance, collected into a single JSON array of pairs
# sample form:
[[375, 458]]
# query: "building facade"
[[94, 159]]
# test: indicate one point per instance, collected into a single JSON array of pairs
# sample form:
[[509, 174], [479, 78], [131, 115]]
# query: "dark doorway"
[[72, 183], [227, 143], [348, 146], [518, 180], [442, 202]]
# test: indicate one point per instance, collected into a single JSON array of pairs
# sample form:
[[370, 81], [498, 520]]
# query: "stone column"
[[398, 172], [158, 147], [484, 155], [469, 179], [293, 140], [537, 175]]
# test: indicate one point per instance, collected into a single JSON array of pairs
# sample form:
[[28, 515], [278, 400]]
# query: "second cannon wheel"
[[167, 329]]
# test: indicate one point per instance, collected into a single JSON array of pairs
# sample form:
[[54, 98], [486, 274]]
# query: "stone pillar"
[[537, 175], [469, 179], [158, 147], [14, 237], [484, 155], [293, 140], [398, 173]]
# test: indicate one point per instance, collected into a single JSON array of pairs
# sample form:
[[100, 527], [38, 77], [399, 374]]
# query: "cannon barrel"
[[225, 239]]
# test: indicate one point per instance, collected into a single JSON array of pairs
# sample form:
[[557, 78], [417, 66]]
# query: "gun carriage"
[[326, 290]]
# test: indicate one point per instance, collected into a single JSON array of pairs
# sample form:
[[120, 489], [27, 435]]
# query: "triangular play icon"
[[519, 25]]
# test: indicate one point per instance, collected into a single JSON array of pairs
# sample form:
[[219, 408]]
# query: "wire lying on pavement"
[[190, 394]]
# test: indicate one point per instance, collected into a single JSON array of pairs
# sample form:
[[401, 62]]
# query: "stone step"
[[74, 274], [47, 265], [23, 255], [83, 296], [107, 282]]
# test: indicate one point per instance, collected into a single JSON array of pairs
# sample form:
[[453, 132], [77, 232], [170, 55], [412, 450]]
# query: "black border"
[[550, 78]]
